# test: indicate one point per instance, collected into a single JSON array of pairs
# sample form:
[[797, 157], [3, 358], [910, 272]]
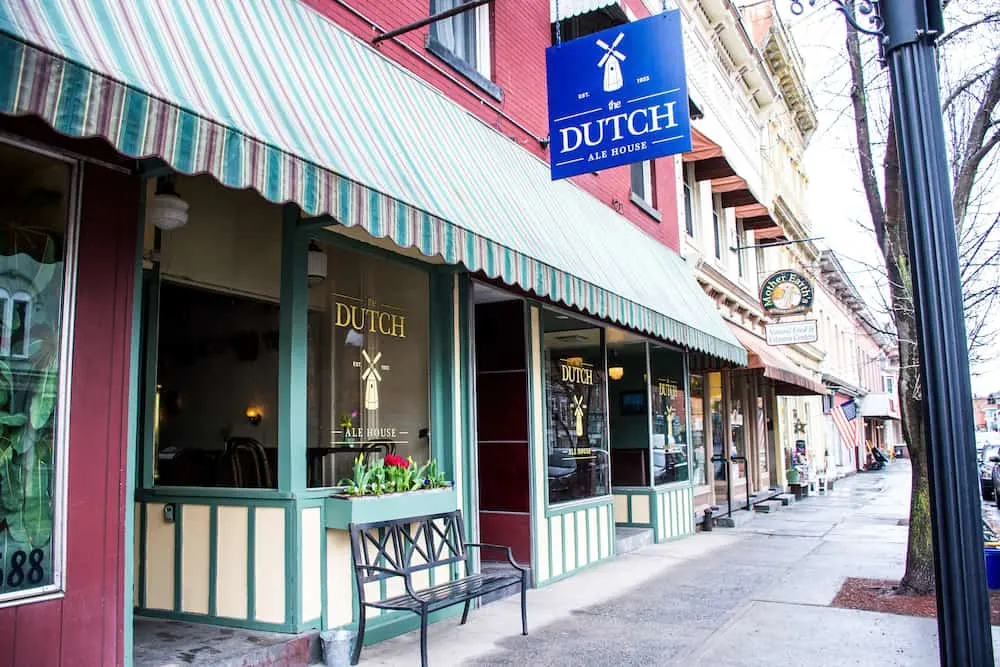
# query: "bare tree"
[[971, 98]]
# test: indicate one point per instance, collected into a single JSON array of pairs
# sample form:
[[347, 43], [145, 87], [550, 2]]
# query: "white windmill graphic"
[[611, 62], [578, 412], [372, 378]]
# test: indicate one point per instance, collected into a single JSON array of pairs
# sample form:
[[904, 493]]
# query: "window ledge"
[[646, 208], [463, 68]]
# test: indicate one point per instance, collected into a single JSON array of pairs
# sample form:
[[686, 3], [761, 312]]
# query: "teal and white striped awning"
[[567, 9], [272, 96]]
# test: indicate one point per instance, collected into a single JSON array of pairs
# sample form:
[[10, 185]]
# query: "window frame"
[[688, 184], [718, 220], [479, 73], [61, 439], [646, 199]]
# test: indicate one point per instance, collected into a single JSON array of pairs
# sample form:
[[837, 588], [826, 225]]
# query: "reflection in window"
[[628, 407], [670, 435], [368, 364], [575, 404], [699, 449], [217, 378], [34, 214], [718, 432]]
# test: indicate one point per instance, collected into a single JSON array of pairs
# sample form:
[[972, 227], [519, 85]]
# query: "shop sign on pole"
[[786, 293], [790, 333], [618, 96]]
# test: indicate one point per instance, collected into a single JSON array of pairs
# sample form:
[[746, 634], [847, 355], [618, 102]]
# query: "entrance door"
[[502, 423]]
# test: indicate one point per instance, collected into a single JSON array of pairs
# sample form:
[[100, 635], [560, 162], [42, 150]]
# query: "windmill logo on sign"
[[611, 62], [371, 378]]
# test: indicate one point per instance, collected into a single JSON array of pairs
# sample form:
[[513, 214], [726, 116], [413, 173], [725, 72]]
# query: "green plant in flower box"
[[393, 474]]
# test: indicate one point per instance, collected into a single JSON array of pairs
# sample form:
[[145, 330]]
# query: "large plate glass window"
[[576, 404], [368, 363], [35, 258], [671, 440]]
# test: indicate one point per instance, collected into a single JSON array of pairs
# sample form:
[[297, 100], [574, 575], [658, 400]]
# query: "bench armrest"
[[393, 573], [498, 547]]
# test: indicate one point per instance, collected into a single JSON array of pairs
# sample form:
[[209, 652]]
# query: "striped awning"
[[272, 96], [567, 9]]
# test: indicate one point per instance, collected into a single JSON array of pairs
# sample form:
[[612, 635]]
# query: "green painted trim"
[[318, 493], [208, 495], [213, 560], [470, 449], [586, 517], [178, 547], [577, 505], [317, 222], [292, 354], [341, 512], [141, 602], [292, 565], [148, 373], [205, 619], [252, 562], [533, 484], [132, 439], [442, 358], [654, 515], [565, 550]]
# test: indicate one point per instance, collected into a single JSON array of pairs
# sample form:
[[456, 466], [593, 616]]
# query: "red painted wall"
[[521, 32], [85, 628]]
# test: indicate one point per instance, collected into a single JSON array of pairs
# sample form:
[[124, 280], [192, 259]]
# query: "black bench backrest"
[[407, 545]]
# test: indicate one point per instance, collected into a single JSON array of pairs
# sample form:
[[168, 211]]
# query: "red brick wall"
[[86, 626], [521, 32]]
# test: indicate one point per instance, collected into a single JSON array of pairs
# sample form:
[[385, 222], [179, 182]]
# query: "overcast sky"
[[835, 201]]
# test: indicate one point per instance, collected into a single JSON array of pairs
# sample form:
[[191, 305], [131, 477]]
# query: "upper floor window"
[[689, 199], [889, 383], [717, 222], [738, 242], [642, 182], [463, 41]]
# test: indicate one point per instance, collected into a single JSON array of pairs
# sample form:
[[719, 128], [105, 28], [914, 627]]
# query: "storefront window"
[[576, 423], [717, 425], [670, 434], [34, 216], [368, 363], [699, 449]]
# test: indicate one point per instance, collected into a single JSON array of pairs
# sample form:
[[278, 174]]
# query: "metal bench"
[[400, 548]]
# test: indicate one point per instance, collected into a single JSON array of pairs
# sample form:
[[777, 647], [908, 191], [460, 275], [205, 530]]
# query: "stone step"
[[786, 499], [629, 539], [504, 566], [768, 506]]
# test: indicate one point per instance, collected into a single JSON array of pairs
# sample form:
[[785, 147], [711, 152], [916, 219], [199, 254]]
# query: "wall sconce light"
[[254, 415], [167, 211], [316, 264], [615, 369]]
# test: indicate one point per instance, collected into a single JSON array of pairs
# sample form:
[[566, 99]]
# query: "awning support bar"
[[433, 18]]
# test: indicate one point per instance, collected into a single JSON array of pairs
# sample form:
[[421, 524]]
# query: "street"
[[754, 595]]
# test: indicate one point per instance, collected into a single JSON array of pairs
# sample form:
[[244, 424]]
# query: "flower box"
[[341, 510]]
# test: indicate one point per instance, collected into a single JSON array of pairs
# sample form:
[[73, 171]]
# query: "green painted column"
[[442, 370], [293, 354]]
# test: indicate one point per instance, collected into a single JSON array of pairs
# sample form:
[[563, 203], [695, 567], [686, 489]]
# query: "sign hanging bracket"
[[433, 18]]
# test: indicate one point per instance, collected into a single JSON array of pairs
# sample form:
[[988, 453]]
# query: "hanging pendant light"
[[167, 211], [316, 264]]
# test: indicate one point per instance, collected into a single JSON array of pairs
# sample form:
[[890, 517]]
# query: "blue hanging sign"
[[618, 96]]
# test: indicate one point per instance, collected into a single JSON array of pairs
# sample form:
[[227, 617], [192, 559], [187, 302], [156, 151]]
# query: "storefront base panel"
[[222, 561], [572, 538], [668, 511]]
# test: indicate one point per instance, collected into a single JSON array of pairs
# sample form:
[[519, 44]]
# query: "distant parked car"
[[989, 476]]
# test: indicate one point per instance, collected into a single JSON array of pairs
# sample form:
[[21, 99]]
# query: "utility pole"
[[908, 31]]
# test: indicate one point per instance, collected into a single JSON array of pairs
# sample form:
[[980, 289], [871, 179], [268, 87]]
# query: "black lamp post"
[[908, 30]]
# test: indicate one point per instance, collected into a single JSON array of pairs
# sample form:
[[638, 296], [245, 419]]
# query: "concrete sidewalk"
[[748, 596]]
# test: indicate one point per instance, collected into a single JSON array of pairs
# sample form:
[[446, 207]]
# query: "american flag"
[[845, 419]]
